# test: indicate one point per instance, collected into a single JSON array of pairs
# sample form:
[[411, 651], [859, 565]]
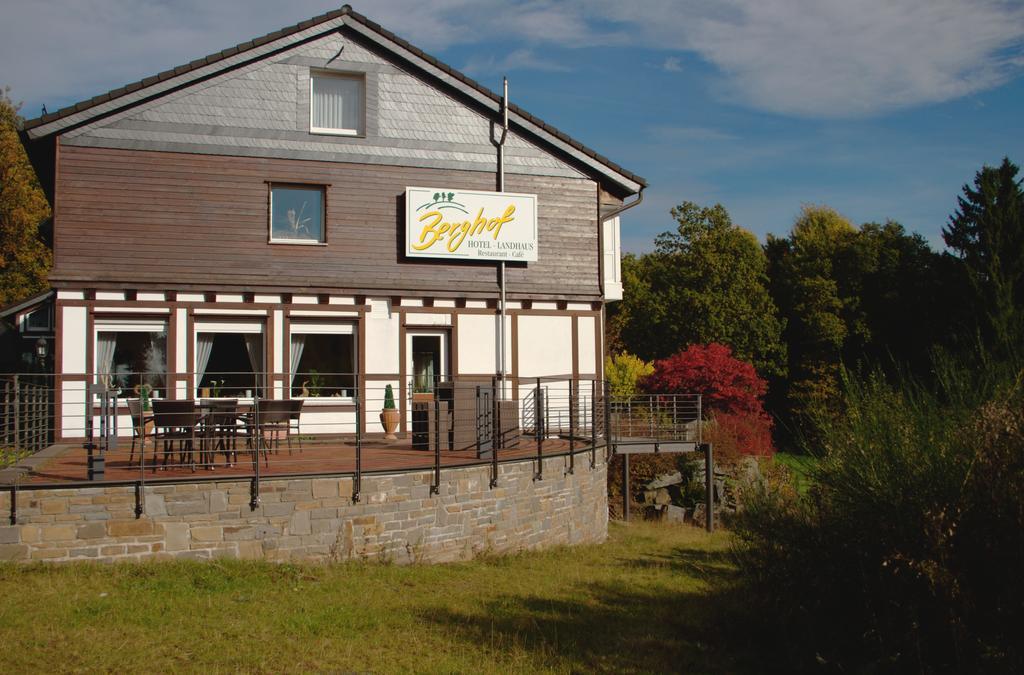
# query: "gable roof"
[[51, 124], [26, 303]]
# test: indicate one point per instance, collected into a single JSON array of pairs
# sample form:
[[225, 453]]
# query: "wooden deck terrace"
[[67, 463]]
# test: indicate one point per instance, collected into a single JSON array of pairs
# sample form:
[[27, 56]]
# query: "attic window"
[[336, 104]]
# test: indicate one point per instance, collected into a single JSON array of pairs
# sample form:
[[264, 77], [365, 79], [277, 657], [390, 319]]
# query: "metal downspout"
[[501, 270]]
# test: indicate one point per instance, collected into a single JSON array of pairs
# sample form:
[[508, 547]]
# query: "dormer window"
[[336, 104]]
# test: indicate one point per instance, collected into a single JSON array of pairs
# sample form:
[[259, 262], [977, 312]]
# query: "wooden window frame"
[[322, 187]]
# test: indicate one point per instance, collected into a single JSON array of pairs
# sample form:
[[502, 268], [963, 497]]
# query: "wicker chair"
[[176, 421], [139, 420]]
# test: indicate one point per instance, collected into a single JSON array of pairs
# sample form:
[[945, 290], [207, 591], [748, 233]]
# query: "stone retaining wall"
[[396, 518]]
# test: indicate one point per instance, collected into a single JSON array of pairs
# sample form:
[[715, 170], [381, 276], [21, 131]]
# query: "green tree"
[[987, 234], [819, 317], [24, 258], [705, 282], [853, 297]]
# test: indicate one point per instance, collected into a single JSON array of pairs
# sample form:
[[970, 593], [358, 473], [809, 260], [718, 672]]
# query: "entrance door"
[[427, 360]]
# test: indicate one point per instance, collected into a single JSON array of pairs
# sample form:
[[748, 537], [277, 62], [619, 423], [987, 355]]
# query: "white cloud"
[[850, 59], [520, 59], [672, 64]]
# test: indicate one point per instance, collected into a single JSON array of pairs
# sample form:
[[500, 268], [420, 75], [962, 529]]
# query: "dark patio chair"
[[176, 421], [140, 419], [274, 418], [220, 429]]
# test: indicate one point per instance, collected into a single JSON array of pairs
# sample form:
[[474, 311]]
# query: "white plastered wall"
[[587, 346], [382, 328], [73, 362]]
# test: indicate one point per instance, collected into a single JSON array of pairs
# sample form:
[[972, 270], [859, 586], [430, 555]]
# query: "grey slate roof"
[[347, 12]]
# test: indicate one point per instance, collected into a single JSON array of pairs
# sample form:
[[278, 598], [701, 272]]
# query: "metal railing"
[[26, 415], [658, 417], [139, 428]]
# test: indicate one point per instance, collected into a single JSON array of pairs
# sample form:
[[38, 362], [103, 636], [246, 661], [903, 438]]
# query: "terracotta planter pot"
[[389, 418]]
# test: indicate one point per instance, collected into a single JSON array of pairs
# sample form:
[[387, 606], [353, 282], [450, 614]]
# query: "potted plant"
[[144, 392], [316, 381], [389, 415]]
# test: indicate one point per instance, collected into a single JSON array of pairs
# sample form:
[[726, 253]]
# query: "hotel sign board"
[[470, 225]]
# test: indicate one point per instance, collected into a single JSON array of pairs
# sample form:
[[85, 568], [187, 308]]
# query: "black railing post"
[[541, 423], [593, 423], [709, 488], [357, 478], [17, 415], [495, 408], [14, 503], [435, 487], [572, 428], [608, 441], [254, 487], [625, 487], [140, 503]]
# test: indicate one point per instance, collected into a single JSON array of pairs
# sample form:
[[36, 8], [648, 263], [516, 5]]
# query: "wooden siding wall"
[[189, 221]]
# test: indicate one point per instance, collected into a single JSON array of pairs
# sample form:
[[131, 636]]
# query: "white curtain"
[[204, 346], [298, 345], [105, 345], [337, 102], [253, 347]]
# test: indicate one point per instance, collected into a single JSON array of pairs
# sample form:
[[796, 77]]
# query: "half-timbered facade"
[[240, 222]]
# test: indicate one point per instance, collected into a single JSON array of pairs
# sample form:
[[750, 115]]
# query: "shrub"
[[624, 372], [906, 552], [732, 394], [733, 435]]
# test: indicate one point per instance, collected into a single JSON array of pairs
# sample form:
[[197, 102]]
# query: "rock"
[[662, 497], [749, 470], [664, 481], [675, 514]]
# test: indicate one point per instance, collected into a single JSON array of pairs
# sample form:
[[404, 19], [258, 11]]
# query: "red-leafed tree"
[[732, 394]]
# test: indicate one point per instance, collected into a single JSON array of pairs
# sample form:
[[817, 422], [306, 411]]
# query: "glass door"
[[427, 361]]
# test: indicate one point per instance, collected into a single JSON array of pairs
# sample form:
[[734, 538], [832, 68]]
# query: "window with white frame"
[[336, 104], [322, 360], [297, 214], [130, 354], [229, 359]]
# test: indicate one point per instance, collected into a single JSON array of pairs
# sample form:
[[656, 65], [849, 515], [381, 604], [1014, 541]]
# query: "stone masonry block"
[[299, 523], [218, 501], [10, 535], [207, 533], [185, 508], [129, 528], [51, 507], [176, 536], [325, 488], [57, 532], [12, 552], [155, 505], [250, 550], [92, 530], [281, 509]]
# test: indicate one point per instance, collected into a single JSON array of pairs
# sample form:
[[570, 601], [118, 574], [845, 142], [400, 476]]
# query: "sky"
[[881, 109]]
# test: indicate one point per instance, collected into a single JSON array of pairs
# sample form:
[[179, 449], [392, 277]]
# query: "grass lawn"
[[642, 602], [801, 466]]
